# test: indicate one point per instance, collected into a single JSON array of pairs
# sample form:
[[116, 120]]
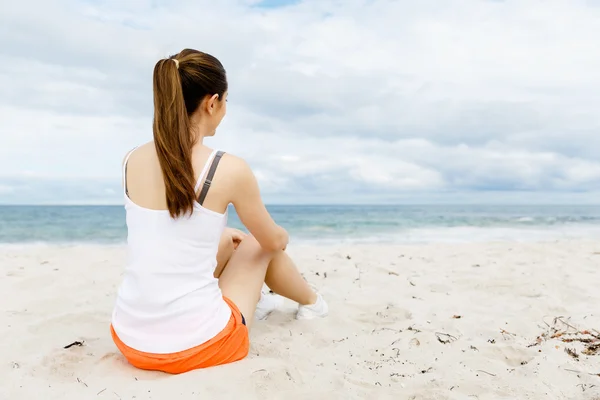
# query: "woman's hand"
[[286, 236], [236, 236]]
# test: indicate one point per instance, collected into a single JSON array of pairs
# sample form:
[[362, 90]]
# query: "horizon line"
[[320, 204]]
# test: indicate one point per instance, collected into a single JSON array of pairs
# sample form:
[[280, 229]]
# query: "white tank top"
[[169, 300]]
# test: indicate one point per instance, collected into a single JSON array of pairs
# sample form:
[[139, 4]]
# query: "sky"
[[330, 101]]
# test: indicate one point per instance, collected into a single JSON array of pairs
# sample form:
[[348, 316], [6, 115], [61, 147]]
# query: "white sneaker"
[[267, 304], [318, 310]]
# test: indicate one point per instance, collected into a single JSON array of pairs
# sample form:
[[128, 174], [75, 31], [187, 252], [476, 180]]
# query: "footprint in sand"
[[66, 321], [439, 288], [512, 356], [114, 361], [65, 362], [359, 382], [112, 358], [386, 316]]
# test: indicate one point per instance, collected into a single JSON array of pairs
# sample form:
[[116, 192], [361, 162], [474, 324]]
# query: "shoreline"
[[340, 242]]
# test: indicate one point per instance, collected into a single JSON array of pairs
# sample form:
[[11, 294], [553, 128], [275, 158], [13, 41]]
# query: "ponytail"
[[172, 138]]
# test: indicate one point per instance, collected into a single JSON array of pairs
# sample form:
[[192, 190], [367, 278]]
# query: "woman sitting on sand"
[[191, 286]]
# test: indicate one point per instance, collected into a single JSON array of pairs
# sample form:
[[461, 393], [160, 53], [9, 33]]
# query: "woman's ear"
[[211, 105]]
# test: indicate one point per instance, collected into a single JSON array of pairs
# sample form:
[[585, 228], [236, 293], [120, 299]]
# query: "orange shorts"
[[230, 345]]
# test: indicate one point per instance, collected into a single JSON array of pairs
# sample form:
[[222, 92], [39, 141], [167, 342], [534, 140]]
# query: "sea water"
[[327, 224]]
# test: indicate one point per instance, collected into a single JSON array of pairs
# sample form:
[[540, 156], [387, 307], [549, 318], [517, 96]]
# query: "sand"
[[387, 304]]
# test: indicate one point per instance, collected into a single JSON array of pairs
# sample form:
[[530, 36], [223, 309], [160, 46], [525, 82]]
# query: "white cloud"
[[327, 98]]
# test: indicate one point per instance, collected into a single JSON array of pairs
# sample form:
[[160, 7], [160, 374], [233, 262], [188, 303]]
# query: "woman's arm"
[[252, 212]]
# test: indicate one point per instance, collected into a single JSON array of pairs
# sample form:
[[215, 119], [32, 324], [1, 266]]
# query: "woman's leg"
[[242, 279], [284, 279], [226, 249], [244, 275]]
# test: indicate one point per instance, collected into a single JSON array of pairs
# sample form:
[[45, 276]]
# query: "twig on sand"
[[554, 328], [582, 340], [76, 343], [592, 350], [485, 372], [585, 386], [359, 272], [595, 335], [445, 338], [564, 331], [116, 394], [547, 324], [574, 370], [103, 390], [581, 372], [387, 329], [504, 332], [80, 381], [566, 323]]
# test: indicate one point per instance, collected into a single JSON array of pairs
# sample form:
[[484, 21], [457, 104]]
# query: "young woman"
[[191, 286]]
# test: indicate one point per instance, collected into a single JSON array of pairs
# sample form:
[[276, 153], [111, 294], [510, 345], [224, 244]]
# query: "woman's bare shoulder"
[[146, 148], [235, 164]]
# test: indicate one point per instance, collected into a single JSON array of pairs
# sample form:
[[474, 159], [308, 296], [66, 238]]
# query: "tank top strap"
[[125, 169], [204, 170]]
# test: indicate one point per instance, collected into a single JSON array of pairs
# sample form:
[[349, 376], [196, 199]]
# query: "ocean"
[[327, 224]]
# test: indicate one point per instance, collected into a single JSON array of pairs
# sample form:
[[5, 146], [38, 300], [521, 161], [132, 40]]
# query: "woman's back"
[[169, 299]]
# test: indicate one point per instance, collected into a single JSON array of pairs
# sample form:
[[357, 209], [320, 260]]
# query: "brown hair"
[[181, 82]]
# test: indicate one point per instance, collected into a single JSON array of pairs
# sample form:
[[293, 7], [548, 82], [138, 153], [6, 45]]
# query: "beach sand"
[[391, 307]]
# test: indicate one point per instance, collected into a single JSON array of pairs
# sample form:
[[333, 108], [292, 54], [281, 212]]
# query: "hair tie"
[[176, 62]]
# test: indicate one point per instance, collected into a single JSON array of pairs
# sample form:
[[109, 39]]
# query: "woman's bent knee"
[[250, 253], [251, 245]]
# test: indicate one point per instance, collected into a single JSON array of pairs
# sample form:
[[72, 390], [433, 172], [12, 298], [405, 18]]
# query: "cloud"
[[377, 100]]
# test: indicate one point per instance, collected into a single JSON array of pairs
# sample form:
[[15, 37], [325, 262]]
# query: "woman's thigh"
[[224, 253], [243, 278]]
